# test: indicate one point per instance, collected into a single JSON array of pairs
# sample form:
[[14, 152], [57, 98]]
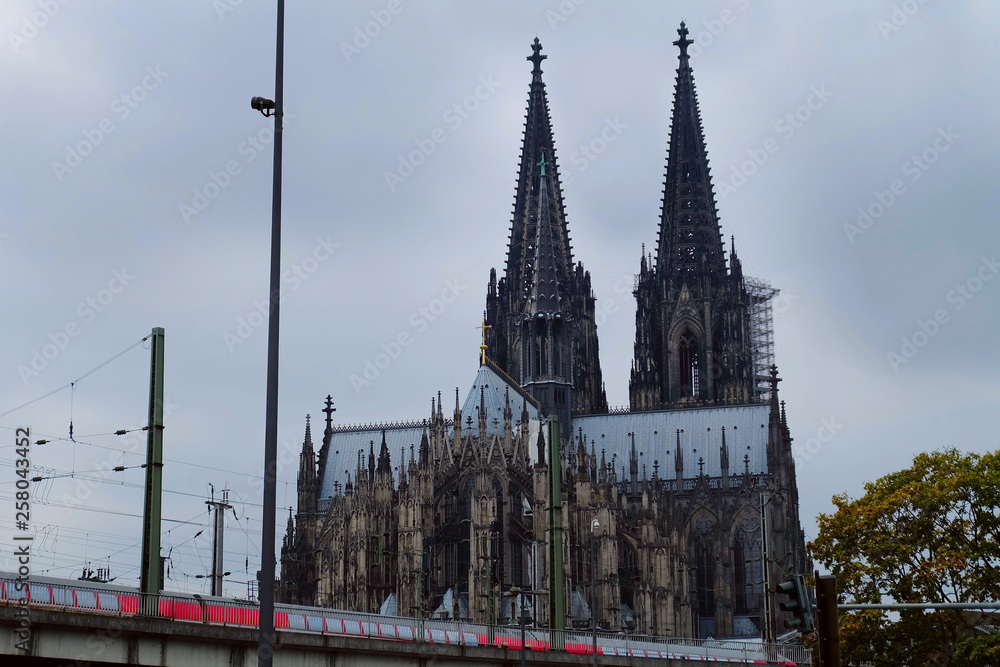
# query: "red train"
[[103, 598]]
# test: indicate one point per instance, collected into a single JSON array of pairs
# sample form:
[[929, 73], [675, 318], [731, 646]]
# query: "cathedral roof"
[[489, 388], [701, 438], [492, 389], [345, 442]]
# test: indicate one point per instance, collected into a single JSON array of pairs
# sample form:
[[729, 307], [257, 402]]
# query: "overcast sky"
[[136, 189]]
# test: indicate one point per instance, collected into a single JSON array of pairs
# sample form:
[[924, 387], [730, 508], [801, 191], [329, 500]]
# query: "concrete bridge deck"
[[91, 640]]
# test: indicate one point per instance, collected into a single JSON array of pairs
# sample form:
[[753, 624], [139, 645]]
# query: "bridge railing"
[[219, 611]]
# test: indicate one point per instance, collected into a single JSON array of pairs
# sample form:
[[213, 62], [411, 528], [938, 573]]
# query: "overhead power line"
[[71, 384]]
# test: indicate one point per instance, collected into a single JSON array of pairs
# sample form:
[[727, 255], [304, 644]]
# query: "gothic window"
[[688, 366], [705, 560], [628, 572], [748, 584], [705, 585]]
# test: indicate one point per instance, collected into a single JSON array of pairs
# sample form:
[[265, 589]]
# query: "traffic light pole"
[[828, 621]]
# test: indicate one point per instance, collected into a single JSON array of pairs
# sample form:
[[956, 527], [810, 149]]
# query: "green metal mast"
[[557, 598], [151, 567]]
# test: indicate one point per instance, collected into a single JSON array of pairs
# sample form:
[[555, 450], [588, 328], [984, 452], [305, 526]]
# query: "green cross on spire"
[[542, 163]]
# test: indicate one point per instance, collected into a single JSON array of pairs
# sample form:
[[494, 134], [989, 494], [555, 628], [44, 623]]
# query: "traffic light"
[[797, 604]]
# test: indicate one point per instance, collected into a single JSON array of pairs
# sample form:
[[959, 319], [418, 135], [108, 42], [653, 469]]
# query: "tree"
[[925, 534]]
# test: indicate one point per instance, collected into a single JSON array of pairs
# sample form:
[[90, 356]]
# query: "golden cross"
[[482, 347]]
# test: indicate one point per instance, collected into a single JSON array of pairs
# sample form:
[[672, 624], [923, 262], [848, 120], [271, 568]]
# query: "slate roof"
[[656, 438], [345, 441]]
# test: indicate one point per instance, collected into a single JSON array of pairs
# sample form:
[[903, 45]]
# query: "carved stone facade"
[[440, 517], [692, 340]]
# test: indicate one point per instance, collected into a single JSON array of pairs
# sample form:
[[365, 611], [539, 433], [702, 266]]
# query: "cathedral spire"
[[689, 243], [540, 275], [384, 463], [536, 142], [545, 288], [678, 460], [324, 450], [633, 464], [307, 486]]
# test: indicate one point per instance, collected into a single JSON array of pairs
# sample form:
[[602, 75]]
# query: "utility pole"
[[828, 621], [557, 598], [220, 507], [594, 525], [770, 621], [152, 568]]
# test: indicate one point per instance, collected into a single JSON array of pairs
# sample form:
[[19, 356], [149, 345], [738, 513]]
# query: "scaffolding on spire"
[[761, 293]]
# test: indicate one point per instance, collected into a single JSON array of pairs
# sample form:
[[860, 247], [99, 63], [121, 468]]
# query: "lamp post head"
[[594, 525], [263, 105]]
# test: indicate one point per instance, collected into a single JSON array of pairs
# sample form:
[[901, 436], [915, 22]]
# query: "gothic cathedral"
[[438, 518]]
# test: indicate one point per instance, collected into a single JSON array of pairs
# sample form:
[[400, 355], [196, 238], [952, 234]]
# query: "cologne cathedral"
[[677, 514]]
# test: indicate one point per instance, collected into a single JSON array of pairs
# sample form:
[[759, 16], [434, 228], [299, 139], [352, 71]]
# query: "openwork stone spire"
[[540, 275], [545, 288], [689, 243], [692, 342]]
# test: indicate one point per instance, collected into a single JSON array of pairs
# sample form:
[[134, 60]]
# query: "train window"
[[40, 593], [86, 598], [62, 595], [109, 601], [12, 591]]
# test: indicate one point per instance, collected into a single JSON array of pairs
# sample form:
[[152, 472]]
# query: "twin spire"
[[690, 241], [545, 290], [538, 176]]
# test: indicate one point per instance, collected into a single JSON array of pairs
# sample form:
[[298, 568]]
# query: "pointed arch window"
[[688, 366], [705, 586], [749, 570]]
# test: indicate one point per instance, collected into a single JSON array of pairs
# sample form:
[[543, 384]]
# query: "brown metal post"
[[828, 628]]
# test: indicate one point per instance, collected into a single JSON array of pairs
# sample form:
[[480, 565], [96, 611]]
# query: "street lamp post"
[[594, 525], [265, 636], [516, 594]]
